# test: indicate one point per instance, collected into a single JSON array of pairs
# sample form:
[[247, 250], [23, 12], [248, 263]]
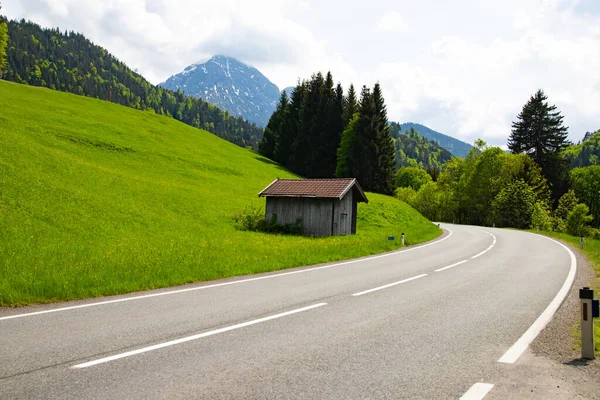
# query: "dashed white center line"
[[477, 391], [389, 285], [450, 266], [194, 337]]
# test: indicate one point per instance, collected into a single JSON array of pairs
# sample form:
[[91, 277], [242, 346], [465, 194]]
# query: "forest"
[[544, 183], [69, 62]]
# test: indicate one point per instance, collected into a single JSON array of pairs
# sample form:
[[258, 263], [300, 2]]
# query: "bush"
[[406, 194], [514, 205], [578, 219], [540, 218], [253, 219]]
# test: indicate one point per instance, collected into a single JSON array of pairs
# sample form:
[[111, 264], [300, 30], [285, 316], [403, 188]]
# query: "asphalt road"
[[389, 326]]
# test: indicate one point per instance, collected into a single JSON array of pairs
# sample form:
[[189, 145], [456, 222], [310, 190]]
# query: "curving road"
[[424, 322]]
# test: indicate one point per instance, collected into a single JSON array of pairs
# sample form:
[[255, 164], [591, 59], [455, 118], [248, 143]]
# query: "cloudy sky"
[[462, 67]]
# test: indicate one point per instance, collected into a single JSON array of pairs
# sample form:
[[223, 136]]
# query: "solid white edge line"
[[477, 391], [100, 303], [515, 351], [488, 249], [193, 337], [450, 266], [389, 285]]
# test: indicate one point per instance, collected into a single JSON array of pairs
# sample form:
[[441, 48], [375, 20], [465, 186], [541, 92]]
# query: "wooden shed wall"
[[343, 215], [316, 214]]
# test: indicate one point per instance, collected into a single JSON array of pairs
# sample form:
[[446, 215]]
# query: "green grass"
[[591, 249], [99, 199]]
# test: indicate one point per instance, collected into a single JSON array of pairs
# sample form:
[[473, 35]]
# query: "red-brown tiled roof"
[[323, 188]]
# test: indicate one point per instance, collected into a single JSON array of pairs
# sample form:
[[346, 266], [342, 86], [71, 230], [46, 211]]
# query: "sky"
[[462, 67]]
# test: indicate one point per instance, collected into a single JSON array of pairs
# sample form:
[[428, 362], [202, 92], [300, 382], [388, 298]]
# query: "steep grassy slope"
[[97, 199]]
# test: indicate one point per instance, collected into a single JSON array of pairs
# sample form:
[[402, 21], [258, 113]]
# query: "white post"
[[581, 241], [586, 295], [402, 238]]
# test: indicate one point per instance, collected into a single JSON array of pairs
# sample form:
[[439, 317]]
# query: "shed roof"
[[320, 188]]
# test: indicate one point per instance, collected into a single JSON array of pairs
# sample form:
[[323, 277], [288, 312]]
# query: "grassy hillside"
[[97, 199]]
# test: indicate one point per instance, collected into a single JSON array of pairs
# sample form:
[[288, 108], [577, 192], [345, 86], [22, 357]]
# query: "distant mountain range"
[[457, 147], [230, 85], [244, 91]]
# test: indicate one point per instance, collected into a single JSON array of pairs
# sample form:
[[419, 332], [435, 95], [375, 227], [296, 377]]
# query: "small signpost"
[[589, 311], [391, 238]]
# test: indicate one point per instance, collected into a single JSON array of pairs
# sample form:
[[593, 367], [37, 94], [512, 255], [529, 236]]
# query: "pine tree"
[[291, 126], [272, 134], [365, 152], [539, 132], [385, 152], [350, 106]]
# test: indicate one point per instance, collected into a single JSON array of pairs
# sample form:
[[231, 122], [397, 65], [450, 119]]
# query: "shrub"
[[578, 219], [514, 205], [253, 219], [540, 218]]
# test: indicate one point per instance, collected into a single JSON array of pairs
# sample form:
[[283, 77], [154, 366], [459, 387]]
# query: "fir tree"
[[271, 136], [385, 153], [539, 132], [350, 106]]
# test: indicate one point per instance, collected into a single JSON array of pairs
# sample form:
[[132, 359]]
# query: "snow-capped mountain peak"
[[230, 85]]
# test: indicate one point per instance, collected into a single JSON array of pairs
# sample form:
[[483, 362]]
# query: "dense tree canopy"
[[586, 153]]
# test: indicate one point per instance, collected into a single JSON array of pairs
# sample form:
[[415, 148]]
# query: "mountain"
[[586, 153], [456, 147], [230, 85], [414, 150], [69, 62]]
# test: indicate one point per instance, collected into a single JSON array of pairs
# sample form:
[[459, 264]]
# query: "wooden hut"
[[326, 206]]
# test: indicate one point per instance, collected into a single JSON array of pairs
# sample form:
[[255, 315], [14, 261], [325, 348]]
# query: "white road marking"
[[194, 337], [488, 249], [450, 266], [389, 285], [477, 391], [515, 351], [146, 296]]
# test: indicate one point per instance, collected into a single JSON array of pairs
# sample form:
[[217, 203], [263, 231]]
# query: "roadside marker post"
[[581, 242], [589, 311], [402, 238]]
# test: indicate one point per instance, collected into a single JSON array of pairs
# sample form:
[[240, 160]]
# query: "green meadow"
[[99, 199]]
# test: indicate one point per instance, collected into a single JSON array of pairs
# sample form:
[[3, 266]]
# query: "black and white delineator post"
[[589, 311], [402, 238]]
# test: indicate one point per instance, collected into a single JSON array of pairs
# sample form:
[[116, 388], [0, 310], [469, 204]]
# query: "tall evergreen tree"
[[350, 106], [539, 132], [291, 127], [365, 153], [271, 137], [385, 152]]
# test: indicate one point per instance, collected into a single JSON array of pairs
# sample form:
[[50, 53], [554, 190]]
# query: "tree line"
[[530, 187], [320, 132], [69, 62]]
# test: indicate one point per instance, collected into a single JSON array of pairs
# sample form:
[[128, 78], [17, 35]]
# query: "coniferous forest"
[[69, 62], [322, 133]]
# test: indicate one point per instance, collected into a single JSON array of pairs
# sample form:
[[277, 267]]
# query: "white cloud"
[[464, 68], [392, 22]]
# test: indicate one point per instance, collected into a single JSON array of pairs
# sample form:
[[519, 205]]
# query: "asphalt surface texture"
[[388, 326]]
